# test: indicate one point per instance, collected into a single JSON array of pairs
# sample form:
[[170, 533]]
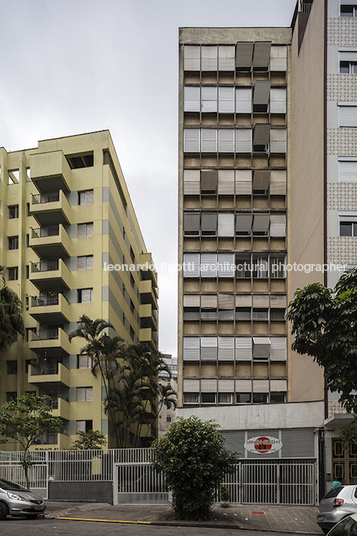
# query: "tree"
[[11, 322], [324, 323], [91, 440], [194, 461], [25, 419]]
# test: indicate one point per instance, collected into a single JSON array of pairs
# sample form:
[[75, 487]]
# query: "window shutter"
[[225, 224], [81, 394], [278, 302], [192, 99], [244, 55], [243, 300], [209, 224], [243, 182], [278, 182], [261, 55], [244, 348], [81, 263], [348, 56], [191, 182], [260, 301], [225, 301], [89, 229], [261, 347], [347, 170], [89, 260], [278, 225], [80, 426], [243, 100], [225, 181], [278, 58], [278, 350], [243, 386], [209, 58], [89, 197], [278, 140], [209, 348], [226, 58], [278, 101], [244, 223], [84, 361], [86, 295], [226, 140], [209, 301], [191, 224], [82, 198], [81, 230], [209, 265], [208, 386], [191, 386], [243, 140], [261, 134], [208, 140], [191, 265], [226, 266], [89, 394], [226, 386], [191, 58], [191, 141], [226, 349], [260, 386], [191, 300], [261, 92], [226, 100], [278, 386], [261, 223], [209, 180], [347, 116], [208, 99], [261, 179], [191, 348]]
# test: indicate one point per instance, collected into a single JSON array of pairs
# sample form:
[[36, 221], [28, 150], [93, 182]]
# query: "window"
[[208, 398], [85, 262], [348, 228], [13, 273], [81, 160], [13, 212], [168, 418], [347, 169], [243, 398], [348, 67], [349, 11], [13, 242], [27, 365], [84, 361], [84, 394], [85, 295], [225, 398], [11, 395], [11, 367], [277, 314], [260, 398], [243, 313], [190, 398], [84, 426], [85, 198], [277, 398], [28, 210], [347, 115], [260, 314], [85, 229]]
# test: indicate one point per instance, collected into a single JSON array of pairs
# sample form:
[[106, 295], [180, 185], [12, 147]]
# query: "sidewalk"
[[292, 519]]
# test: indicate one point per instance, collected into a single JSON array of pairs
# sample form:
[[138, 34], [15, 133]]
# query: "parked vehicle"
[[337, 504], [346, 527], [16, 500]]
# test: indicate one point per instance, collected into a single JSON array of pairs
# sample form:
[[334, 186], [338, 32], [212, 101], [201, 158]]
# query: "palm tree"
[[11, 321], [166, 397]]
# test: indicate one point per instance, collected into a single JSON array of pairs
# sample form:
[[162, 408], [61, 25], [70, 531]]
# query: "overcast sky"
[[75, 66]]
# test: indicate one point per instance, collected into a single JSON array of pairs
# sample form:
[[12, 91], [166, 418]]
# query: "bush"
[[194, 460]]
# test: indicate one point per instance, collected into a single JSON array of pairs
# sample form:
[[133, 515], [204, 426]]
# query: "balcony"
[[51, 342], [50, 275], [148, 316], [50, 242], [50, 171], [51, 208], [61, 408], [147, 268], [50, 309], [149, 336], [148, 293], [55, 373]]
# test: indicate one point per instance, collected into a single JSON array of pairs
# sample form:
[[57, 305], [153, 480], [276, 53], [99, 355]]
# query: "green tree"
[[324, 323], [11, 322], [25, 419], [166, 397], [93, 439], [194, 461]]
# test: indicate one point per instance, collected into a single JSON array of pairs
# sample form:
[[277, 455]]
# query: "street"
[[54, 527]]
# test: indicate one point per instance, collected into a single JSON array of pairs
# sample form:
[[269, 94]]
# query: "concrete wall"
[[93, 491]]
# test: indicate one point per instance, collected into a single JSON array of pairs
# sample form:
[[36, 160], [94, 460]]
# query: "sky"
[[74, 66]]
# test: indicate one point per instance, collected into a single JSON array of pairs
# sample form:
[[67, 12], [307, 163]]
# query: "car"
[[15, 500], [337, 504], [346, 527]]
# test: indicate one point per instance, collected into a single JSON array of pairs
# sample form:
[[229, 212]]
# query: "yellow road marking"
[[104, 520]]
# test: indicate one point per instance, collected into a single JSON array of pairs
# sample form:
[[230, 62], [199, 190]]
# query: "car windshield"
[[333, 492], [10, 486]]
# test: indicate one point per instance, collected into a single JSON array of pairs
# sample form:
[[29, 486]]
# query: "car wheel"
[[31, 516], [3, 510]]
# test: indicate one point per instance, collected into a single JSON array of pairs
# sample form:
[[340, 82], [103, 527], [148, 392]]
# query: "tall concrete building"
[[67, 222], [267, 178]]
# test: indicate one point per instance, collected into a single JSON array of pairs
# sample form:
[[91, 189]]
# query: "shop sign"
[[263, 445]]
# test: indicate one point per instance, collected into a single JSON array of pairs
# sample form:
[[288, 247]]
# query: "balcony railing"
[[42, 232], [45, 266], [40, 301], [46, 335], [48, 368], [49, 197]]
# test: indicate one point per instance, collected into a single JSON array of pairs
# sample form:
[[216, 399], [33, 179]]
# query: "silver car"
[[18, 501], [338, 503]]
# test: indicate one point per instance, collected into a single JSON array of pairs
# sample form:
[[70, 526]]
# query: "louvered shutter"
[[209, 180], [226, 58], [261, 179], [191, 223], [261, 93], [278, 101], [209, 224], [192, 99], [261, 56], [244, 224], [208, 385], [278, 386], [191, 141], [261, 347], [347, 170], [260, 300], [225, 348], [243, 386], [347, 116], [209, 348], [226, 140], [225, 301], [226, 100], [89, 394], [348, 56], [86, 295], [278, 225], [191, 300], [208, 99], [226, 266], [80, 426], [81, 394], [84, 361], [243, 100], [191, 348], [191, 386], [82, 198], [89, 229], [243, 300], [208, 140], [225, 181], [225, 224], [244, 348], [278, 58], [243, 181], [191, 58], [209, 265], [81, 263], [226, 386], [81, 230], [278, 182], [209, 58], [244, 56], [278, 140], [261, 134], [191, 182], [261, 223], [243, 140], [260, 386], [209, 301], [278, 351], [278, 302], [89, 260], [191, 265], [89, 197]]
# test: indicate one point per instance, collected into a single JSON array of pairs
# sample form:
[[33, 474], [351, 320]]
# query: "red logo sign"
[[262, 444]]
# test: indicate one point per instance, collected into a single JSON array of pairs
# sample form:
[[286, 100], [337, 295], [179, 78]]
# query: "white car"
[[346, 527], [16, 500]]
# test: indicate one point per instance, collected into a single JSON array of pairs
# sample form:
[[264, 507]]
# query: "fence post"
[[278, 483], [240, 483]]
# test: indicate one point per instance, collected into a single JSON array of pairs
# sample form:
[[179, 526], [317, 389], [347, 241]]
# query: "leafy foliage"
[[93, 439], [324, 323], [194, 460], [11, 322], [25, 420]]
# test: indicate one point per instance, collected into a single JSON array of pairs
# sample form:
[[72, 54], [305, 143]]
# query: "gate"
[[38, 476], [138, 483]]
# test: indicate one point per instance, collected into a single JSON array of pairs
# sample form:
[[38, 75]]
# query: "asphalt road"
[[55, 527]]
